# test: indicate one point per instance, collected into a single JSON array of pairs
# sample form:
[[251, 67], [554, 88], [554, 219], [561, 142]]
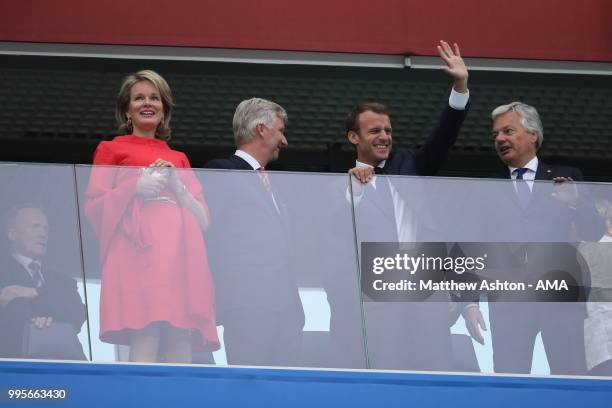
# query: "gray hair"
[[528, 115], [252, 112]]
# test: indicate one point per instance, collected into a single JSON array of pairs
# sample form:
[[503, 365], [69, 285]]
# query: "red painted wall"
[[531, 29]]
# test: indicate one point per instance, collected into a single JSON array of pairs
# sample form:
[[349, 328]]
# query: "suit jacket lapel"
[[17, 274], [240, 163], [544, 172]]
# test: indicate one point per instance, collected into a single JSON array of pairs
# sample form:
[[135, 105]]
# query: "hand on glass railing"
[[474, 321], [12, 292], [359, 177], [565, 190], [363, 174]]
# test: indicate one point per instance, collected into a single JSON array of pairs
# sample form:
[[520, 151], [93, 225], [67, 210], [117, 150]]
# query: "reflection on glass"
[[598, 260], [41, 311], [287, 277]]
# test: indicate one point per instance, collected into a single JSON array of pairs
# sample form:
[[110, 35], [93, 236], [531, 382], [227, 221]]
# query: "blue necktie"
[[522, 189]]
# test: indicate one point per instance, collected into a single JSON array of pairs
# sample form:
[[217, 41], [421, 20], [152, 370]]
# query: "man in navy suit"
[[249, 247], [411, 334], [30, 292], [538, 220], [368, 128]]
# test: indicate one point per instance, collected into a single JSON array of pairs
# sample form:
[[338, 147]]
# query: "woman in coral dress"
[[157, 291]]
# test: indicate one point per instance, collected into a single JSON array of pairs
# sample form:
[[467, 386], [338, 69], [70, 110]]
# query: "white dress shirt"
[[529, 176], [405, 221], [405, 218], [458, 100]]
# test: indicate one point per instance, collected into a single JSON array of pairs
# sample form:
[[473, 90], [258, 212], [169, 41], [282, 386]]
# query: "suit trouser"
[[408, 336], [515, 325], [263, 337]]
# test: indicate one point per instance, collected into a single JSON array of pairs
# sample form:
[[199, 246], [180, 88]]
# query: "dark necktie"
[[382, 186], [34, 268], [522, 189]]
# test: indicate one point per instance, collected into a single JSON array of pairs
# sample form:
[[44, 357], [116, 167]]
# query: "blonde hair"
[[123, 102]]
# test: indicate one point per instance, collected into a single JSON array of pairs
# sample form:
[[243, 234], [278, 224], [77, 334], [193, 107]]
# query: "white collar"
[[532, 165], [362, 164], [25, 261], [248, 158]]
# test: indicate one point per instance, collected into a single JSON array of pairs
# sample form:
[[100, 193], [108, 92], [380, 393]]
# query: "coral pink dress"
[[154, 261]]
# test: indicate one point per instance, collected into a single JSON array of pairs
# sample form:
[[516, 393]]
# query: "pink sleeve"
[[109, 200], [189, 178]]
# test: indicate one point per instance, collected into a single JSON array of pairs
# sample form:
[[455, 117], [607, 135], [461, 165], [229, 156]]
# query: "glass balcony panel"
[[42, 299], [536, 278]]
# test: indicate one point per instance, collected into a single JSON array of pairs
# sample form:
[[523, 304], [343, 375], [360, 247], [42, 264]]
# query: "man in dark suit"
[[257, 294], [368, 128], [538, 221], [414, 333], [30, 293]]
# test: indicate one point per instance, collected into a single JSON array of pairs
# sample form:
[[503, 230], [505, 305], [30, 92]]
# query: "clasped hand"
[[154, 178]]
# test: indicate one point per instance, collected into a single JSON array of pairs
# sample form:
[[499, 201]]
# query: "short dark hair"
[[352, 119]]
